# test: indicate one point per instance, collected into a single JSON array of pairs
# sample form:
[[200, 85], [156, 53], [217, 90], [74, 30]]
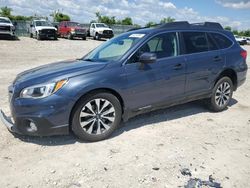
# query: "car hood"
[[45, 27], [57, 71], [6, 24], [77, 27], [103, 28]]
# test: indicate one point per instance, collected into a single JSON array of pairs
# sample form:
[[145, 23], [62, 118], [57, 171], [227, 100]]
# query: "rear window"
[[221, 40], [195, 42]]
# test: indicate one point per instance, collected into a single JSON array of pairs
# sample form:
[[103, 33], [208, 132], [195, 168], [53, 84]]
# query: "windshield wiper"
[[88, 60]]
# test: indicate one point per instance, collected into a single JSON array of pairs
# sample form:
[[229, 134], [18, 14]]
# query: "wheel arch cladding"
[[231, 74], [94, 91]]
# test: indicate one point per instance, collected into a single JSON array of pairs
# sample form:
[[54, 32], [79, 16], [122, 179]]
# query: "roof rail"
[[212, 25], [185, 24], [174, 24]]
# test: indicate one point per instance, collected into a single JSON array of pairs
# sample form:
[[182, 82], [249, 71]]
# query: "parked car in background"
[[42, 29], [7, 29], [70, 30], [240, 40], [133, 73], [248, 40], [100, 30]]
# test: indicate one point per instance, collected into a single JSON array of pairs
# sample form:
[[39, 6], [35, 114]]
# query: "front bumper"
[[45, 35], [7, 33], [8, 123], [43, 117], [106, 36], [80, 35]]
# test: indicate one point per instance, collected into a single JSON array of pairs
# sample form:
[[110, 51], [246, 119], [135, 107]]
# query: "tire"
[[69, 36], [221, 94], [31, 35], [97, 37], [83, 38], [38, 37], [55, 37], [90, 124]]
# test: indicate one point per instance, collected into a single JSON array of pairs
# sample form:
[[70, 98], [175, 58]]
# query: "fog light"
[[32, 127]]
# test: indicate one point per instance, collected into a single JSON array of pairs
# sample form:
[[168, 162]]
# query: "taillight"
[[243, 54]]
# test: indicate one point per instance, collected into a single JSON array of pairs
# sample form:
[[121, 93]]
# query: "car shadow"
[[167, 114], [9, 38]]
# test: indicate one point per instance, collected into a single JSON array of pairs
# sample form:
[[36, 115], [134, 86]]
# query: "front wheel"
[[97, 36], [96, 116], [221, 95], [38, 37], [69, 36]]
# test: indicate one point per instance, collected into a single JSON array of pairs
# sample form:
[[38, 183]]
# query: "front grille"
[[48, 31], [4, 28], [108, 32], [80, 30]]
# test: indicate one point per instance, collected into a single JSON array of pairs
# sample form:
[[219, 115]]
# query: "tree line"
[[245, 33]]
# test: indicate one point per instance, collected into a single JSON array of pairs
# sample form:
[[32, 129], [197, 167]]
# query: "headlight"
[[42, 90]]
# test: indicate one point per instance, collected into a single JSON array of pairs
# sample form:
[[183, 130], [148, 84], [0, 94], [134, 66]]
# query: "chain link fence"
[[22, 27]]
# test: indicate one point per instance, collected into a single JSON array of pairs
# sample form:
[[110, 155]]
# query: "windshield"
[[42, 23], [4, 20], [114, 49], [73, 24], [101, 25]]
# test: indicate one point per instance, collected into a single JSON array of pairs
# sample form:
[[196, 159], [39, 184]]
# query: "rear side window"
[[195, 42], [222, 41]]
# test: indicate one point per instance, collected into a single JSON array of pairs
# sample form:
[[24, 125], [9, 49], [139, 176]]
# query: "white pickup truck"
[[100, 30], [240, 40], [42, 29], [7, 28]]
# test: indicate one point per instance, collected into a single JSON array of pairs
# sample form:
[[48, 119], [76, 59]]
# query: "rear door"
[[203, 61]]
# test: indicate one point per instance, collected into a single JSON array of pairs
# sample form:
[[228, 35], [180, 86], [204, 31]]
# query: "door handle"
[[217, 58], [178, 66]]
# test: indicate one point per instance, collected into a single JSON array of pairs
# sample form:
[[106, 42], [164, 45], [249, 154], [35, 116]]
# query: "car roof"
[[40, 20], [6, 18], [182, 25]]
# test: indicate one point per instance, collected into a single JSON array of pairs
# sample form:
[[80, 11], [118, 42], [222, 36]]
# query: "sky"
[[234, 13]]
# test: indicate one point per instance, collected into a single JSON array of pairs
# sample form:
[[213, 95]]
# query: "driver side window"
[[163, 45]]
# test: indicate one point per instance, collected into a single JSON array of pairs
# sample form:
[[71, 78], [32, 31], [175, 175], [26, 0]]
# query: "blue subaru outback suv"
[[133, 73]]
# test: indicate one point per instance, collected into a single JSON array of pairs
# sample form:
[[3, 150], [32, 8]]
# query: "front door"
[[160, 82]]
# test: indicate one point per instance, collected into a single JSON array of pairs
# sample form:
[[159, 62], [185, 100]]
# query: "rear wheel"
[[221, 95], [96, 117]]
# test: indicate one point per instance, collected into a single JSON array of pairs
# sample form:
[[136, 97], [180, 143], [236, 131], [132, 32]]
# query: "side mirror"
[[148, 57], [65, 26], [31, 25]]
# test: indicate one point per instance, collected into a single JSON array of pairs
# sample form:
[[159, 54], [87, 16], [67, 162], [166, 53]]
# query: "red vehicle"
[[71, 30]]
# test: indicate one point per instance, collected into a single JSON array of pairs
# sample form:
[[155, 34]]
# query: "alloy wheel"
[[222, 94], [97, 116]]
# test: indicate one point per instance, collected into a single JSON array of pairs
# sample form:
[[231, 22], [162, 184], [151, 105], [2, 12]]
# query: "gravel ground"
[[147, 151]]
